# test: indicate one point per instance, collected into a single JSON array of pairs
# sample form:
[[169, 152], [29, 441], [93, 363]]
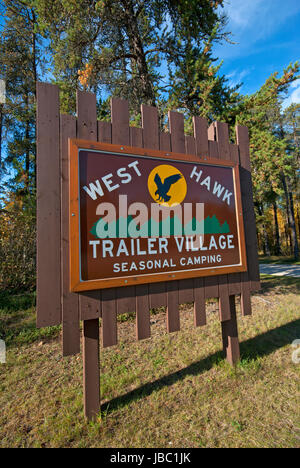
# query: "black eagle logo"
[[163, 188]]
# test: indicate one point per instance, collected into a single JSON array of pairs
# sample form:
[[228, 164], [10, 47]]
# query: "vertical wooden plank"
[[201, 137], [157, 291], [249, 220], [136, 137], [89, 302], [230, 339], [176, 121], [121, 136], [90, 305], [234, 279], [70, 302], [186, 287], [142, 312], [109, 318], [125, 299], [165, 141], [150, 127], [173, 321], [157, 295], [186, 291], [211, 282], [222, 137], [211, 285], [104, 131], [120, 121], [211, 132], [199, 302], [48, 207], [248, 207], [109, 329], [224, 305], [213, 149], [86, 116], [190, 145], [91, 369]]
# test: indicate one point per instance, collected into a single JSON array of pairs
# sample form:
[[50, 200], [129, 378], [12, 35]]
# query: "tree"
[[271, 159], [20, 59], [125, 47]]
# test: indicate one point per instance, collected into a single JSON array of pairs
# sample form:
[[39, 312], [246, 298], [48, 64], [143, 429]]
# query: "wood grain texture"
[[190, 145], [48, 207], [201, 136], [178, 145], [109, 318], [242, 136], [104, 131], [199, 302], [222, 137], [70, 301], [136, 137], [172, 317], [121, 136], [230, 339], [87, 128], [91, 369], [150, 127], [120, 122], [142, 312]]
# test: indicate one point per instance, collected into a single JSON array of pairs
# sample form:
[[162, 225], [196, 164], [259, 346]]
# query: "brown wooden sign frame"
[[76, 284], [56, 304]]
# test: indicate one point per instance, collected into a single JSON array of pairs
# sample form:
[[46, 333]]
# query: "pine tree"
[[125, 47], [20, 59]]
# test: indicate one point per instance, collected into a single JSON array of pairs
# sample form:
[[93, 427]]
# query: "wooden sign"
[[142, 216], [157, 212]]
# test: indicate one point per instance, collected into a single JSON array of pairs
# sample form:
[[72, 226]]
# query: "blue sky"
[[267, 33]]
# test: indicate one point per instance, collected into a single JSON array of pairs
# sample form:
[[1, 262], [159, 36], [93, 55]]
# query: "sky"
[[267, 33]]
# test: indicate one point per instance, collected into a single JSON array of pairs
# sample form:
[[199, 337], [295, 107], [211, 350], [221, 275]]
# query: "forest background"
[[156, 52]]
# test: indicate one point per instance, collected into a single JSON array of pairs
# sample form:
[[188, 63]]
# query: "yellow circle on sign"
[[167, 186]]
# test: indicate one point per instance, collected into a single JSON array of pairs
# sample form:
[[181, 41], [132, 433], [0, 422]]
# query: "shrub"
[[18, 244]]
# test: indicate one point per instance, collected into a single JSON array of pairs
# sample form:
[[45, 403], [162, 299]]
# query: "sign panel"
[[140, 216]]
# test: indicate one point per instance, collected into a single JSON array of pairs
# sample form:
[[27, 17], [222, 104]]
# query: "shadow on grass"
[[17, 319], [279, 285], [252, 349], [285, 260]]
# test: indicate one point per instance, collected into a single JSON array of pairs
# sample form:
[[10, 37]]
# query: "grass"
[[281, 259], [168, 391]]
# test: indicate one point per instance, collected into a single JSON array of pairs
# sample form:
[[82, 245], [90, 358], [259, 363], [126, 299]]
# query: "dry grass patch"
[[167, 391]]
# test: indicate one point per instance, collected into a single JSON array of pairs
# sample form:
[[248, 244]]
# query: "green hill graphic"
[[210, 225]]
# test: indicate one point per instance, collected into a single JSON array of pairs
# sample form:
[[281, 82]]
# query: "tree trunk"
[[34, 67], [27, 146], [136, 48], [266, 245], [1, 129], [277, 236], [291, 215]]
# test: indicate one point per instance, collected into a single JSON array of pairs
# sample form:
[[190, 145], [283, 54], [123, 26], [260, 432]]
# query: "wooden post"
[[230, 338], [91, 369]]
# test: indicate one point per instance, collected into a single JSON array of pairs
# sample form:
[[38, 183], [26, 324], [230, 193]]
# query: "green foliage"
[[20, 58], [18, 244], [127, 48]]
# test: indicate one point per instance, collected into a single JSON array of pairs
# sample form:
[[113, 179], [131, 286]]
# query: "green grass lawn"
[[278, 259], [167, 391]]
